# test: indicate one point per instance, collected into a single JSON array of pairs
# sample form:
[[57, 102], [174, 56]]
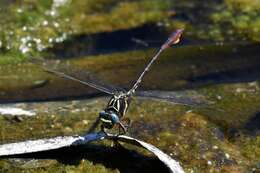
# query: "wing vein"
[[61, 74]]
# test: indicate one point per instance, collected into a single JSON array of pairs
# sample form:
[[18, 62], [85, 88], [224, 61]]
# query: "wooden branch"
[[32, 146], [173, 165]]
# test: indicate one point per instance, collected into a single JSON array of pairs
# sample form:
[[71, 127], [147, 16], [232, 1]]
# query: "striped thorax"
[[115, 110]]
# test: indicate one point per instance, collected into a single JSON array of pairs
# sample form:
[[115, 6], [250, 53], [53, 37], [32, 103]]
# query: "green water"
[[221, 138]]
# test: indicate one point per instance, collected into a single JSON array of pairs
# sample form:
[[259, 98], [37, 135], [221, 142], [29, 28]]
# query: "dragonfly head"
[[108, 118]]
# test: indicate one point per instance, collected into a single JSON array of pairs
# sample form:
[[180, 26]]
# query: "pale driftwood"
[[173, 165], [33, 146]]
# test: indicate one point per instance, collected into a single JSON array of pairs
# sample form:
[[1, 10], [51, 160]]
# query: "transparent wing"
[[191, 98], [67, 70]]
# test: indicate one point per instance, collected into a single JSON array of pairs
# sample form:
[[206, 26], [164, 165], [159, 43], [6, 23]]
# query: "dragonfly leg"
[[94, 125], [126, 122], [103, 129], [121, 126]]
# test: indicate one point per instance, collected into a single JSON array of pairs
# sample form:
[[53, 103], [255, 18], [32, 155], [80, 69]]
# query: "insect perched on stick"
[[118, 104]]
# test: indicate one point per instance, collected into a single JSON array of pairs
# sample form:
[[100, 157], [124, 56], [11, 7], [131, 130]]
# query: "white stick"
[[33, 146]]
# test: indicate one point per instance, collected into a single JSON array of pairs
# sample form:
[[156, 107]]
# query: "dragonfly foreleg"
[[124, 124], [123, 127], [94, 125], [103, 129]]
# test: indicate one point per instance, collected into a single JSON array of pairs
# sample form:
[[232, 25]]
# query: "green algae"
[[201, 138], [250, 147], [234, 99], [241, 17], [197, 142], [28, 28], [228, 20], [63, 118], [123, 15], [193, 139], [83, 166], [130, 64]]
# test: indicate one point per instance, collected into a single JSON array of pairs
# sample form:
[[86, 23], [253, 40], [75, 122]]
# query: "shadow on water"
[[110, 157], [237, 75], [253, 125], [239, 66], [149, 35], [186, 67], [139, 38], [194, 66]]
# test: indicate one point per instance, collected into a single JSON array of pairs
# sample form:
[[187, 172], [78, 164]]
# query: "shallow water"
[[222, 137]]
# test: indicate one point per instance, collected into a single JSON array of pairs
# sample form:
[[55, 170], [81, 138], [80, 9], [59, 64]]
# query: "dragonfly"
[[117, 106]]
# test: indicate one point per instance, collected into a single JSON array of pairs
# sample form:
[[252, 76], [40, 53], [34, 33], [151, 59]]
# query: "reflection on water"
[[202, 139], [253, 125], [142, 37], [186, 67], [215, 138], [84, 156]]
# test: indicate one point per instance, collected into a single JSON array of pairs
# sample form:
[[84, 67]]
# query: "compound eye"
[[102, 114], [114, 118]]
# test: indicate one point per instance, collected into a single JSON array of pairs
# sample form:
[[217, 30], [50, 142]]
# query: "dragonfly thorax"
[[115, 110], [119, 104]]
